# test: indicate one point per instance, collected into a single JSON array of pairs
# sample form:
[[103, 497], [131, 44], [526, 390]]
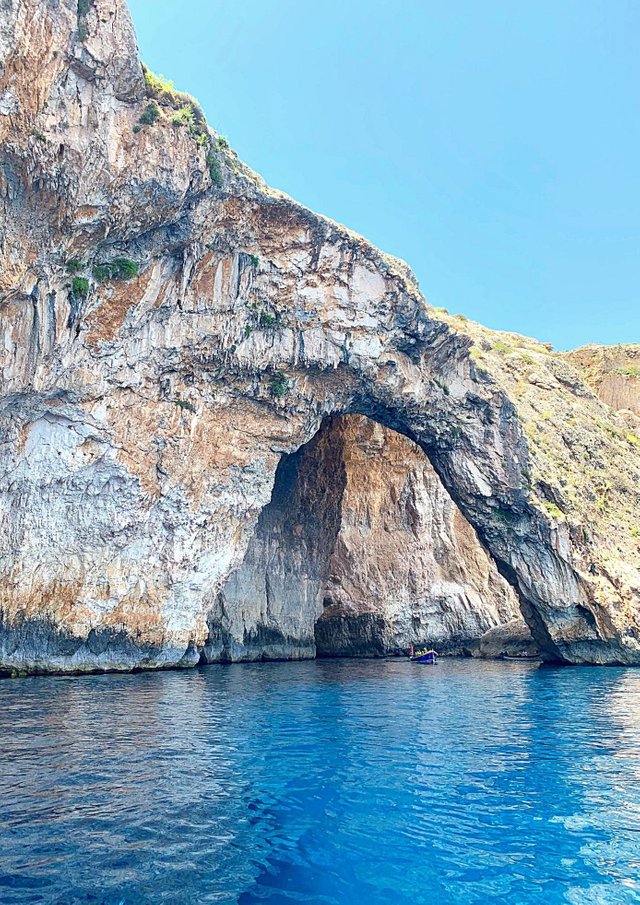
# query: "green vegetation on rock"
[[80, 287], [213, 166], [118, 269], [183, 116], [279, 384], [150, 115], [83, 8], [157, 84], [628, 371], [188, 111], [185, 405], [266, 320], [184, 111], [553, 510]]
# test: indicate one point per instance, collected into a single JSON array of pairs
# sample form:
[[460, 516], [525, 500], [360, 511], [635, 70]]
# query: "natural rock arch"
[[143, 421], [360, 551]]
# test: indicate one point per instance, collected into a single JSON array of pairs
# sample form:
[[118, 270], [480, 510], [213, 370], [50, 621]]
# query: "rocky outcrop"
[[613, 372], [512, 640], [172, 328]]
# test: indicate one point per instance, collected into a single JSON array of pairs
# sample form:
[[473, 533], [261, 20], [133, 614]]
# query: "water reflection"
[[329, 781]]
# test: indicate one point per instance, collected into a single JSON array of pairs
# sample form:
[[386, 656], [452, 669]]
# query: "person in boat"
[[422, 653]]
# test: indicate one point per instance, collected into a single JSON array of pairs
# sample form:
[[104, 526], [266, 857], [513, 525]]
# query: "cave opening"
[[361, 551]]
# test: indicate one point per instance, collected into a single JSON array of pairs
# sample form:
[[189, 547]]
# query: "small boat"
[[424, 656], [525, 657]]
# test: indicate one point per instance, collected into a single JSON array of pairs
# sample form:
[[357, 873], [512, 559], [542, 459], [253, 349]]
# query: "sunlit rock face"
[[407, 567], [613, 372], [142, 420]]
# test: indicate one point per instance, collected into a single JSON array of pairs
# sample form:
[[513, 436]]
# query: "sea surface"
[[323, 782]]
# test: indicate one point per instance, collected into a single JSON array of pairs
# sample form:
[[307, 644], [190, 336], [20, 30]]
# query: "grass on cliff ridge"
[[628, 371], [165, 93], [186, 113]]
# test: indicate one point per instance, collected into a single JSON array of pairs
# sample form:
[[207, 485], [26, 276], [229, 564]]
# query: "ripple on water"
[[323, 782]]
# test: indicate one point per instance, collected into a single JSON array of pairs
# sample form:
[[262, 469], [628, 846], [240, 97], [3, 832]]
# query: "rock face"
[[406, 568], [613, 372], [143, 417], [268, 607], [360, 551], [511, 639]]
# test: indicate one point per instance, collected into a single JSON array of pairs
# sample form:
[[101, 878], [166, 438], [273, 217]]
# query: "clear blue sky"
[[493, 144]]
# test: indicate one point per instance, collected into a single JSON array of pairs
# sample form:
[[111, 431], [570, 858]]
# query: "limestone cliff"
[[613, 372], [360, 551], [172, 329], [406, 567], [269, 606]]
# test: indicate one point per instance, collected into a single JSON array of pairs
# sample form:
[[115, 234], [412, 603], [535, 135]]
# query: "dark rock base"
[[39, 647]]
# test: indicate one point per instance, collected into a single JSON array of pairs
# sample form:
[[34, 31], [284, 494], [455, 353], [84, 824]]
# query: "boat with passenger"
[[423, 656]]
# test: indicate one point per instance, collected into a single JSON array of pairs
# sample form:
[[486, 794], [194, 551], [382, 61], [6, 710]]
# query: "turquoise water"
[[323, 782]]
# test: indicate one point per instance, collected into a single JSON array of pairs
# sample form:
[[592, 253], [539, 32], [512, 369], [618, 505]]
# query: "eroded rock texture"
[[406, 568], [359, 552], [269, 606], [142, 420], [613, 372]]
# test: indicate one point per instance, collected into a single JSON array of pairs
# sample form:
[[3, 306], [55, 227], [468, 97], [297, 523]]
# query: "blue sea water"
[[323, 782]]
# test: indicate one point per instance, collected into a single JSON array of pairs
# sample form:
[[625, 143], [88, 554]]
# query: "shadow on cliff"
[[361, 552]]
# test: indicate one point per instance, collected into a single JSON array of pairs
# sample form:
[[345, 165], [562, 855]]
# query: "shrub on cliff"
[[183, 116], [266, 320], [83, 8], [185, 405], [118, 269], [279, 384], [150, 115], [628, 371], [157, 85], [80, 287], [213, 166], [553, 510], [164, 91]]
